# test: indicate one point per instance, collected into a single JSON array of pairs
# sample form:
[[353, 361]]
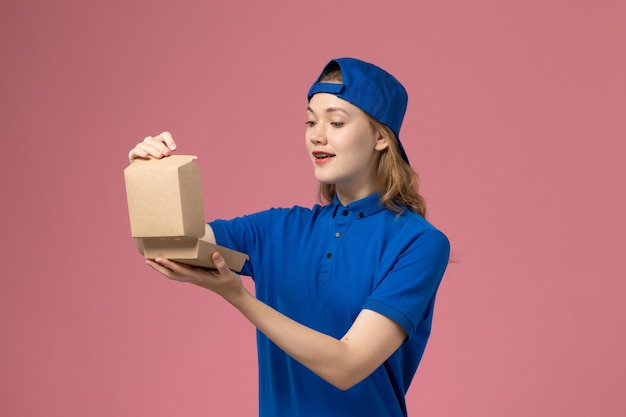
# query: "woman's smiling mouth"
[[320, 157]]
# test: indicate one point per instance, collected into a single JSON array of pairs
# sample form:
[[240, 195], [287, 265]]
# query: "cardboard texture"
[[166, 212]]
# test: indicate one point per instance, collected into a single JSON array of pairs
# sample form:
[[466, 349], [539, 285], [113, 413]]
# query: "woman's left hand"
[[221, 281]]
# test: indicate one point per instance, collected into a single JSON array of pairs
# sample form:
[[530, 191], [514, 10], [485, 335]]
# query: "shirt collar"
[[363, 207]]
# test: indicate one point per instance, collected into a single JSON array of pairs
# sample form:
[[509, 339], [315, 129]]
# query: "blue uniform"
[[321, 266]]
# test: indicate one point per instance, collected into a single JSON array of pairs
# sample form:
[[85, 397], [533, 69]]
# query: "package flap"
[[165, 197], [190, 251]]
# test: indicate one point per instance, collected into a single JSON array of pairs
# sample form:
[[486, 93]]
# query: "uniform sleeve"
[[246, 234], [243, 234], [407, 293]]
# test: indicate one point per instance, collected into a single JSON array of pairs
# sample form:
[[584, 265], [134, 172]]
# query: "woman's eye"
[[310, 123], [337, 124]]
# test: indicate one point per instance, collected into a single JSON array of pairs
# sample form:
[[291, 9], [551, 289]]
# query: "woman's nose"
[[316, 134]]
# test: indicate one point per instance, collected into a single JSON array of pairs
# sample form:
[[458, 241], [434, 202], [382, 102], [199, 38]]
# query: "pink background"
[[516, 123]]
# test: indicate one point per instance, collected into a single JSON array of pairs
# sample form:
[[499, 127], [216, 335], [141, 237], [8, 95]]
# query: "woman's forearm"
[[371, 339], [342, 363]]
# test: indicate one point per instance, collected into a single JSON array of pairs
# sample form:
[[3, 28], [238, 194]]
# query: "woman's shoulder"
[[419, 226]]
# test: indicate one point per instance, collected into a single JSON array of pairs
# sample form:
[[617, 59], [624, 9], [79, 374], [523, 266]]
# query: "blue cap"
[[372, 90]]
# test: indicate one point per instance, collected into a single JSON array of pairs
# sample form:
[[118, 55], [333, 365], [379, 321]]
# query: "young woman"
[[345, 290]]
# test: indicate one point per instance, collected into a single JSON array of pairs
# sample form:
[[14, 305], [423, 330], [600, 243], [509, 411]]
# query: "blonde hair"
[[398, 182]]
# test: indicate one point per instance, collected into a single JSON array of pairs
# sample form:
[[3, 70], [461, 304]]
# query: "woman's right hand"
[[153, 146]]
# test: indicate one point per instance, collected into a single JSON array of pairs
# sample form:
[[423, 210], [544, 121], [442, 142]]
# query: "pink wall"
[[516, 124]]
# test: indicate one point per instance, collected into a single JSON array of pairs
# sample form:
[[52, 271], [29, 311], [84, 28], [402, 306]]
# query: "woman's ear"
[[382, 142]]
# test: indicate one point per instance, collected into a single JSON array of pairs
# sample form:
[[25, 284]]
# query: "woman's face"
[[343, 146]]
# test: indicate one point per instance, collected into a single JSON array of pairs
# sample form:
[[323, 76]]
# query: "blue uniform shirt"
[[321, 267]]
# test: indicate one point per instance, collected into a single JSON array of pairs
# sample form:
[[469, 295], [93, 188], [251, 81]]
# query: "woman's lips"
[[320, 157]]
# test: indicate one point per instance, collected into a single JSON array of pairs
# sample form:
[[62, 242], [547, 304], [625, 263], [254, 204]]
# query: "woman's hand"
[[153, 146], [221, 281]]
